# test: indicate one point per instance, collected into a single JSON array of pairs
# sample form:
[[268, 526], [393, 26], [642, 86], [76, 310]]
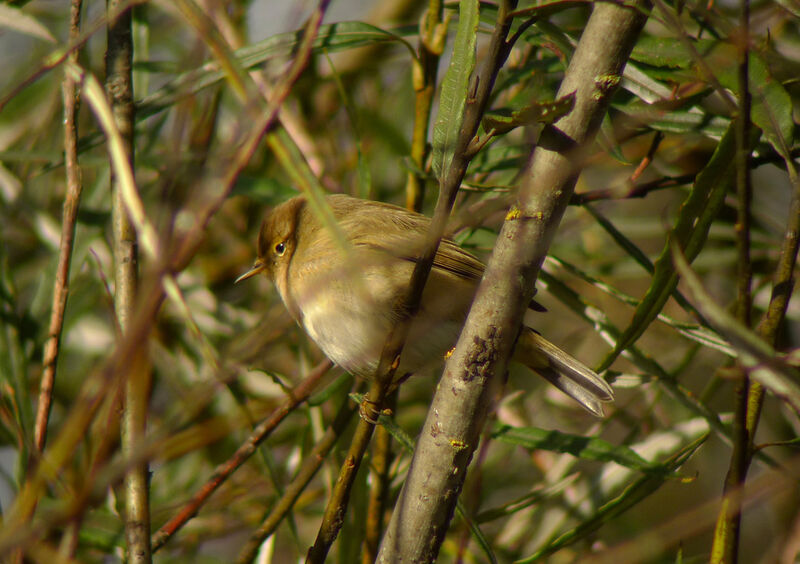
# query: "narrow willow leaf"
[[713, 127], [539, 494], [669, 51], [15, 19], [580, 446], [633, 495], [547, 9], [653, 447], [761, 360], [477, 534], [670, 120], [690, 232], [629, 247], [455, 89], [638, 83], [610, 334], [772, 105], [692, 331]]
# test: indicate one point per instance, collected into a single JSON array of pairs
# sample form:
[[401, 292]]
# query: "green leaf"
[[772, 105], [643, 86], [580, 446], [668, 51], [692, 331], [643, 362], [17, 20], [632, 496], [455, 89], [690, 232], [636, 253], [761, 360], [661, 117]]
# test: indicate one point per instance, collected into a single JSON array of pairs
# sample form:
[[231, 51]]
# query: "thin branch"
[[632, 191], [651, 152], [309, 467], [725, 546], [424, 69], [379, 491], [333, 518], [296, 396], [68, 221]]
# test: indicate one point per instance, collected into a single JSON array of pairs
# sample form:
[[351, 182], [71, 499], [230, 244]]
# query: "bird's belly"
[[349, 315], [355, 341], [348, 338]]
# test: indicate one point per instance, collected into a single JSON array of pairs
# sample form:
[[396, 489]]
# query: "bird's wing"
[[402, 234]]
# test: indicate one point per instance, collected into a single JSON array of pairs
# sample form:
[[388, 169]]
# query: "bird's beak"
[[258, 268]]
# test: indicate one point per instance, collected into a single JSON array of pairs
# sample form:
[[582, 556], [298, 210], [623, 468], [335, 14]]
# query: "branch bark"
[[69, 219], [119, 89], [451, 431]]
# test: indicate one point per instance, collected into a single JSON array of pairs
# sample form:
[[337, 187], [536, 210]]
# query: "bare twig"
[[725, 547], [431, 45], [645, 162], [69, 218], [633, 191], [309, 467], [15, 528], [296, 396], [379, 490]]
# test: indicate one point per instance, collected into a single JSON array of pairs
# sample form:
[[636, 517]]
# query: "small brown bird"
[[344, 291]]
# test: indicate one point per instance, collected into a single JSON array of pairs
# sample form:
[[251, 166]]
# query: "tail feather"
[[563, 371]]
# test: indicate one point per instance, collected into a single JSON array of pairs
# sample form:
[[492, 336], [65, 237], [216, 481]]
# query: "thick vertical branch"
[[456, 416], [119, 88]]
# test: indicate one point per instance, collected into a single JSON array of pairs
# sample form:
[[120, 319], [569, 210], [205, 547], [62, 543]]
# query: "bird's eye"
[[280, 248]]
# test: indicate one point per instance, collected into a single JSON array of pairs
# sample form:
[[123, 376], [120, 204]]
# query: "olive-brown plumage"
[[344, 291]]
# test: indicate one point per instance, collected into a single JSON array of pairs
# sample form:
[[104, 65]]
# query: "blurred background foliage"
[[351, 114]]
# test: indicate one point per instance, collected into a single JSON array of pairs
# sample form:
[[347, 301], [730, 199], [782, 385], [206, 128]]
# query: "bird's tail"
[[563, 371]]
